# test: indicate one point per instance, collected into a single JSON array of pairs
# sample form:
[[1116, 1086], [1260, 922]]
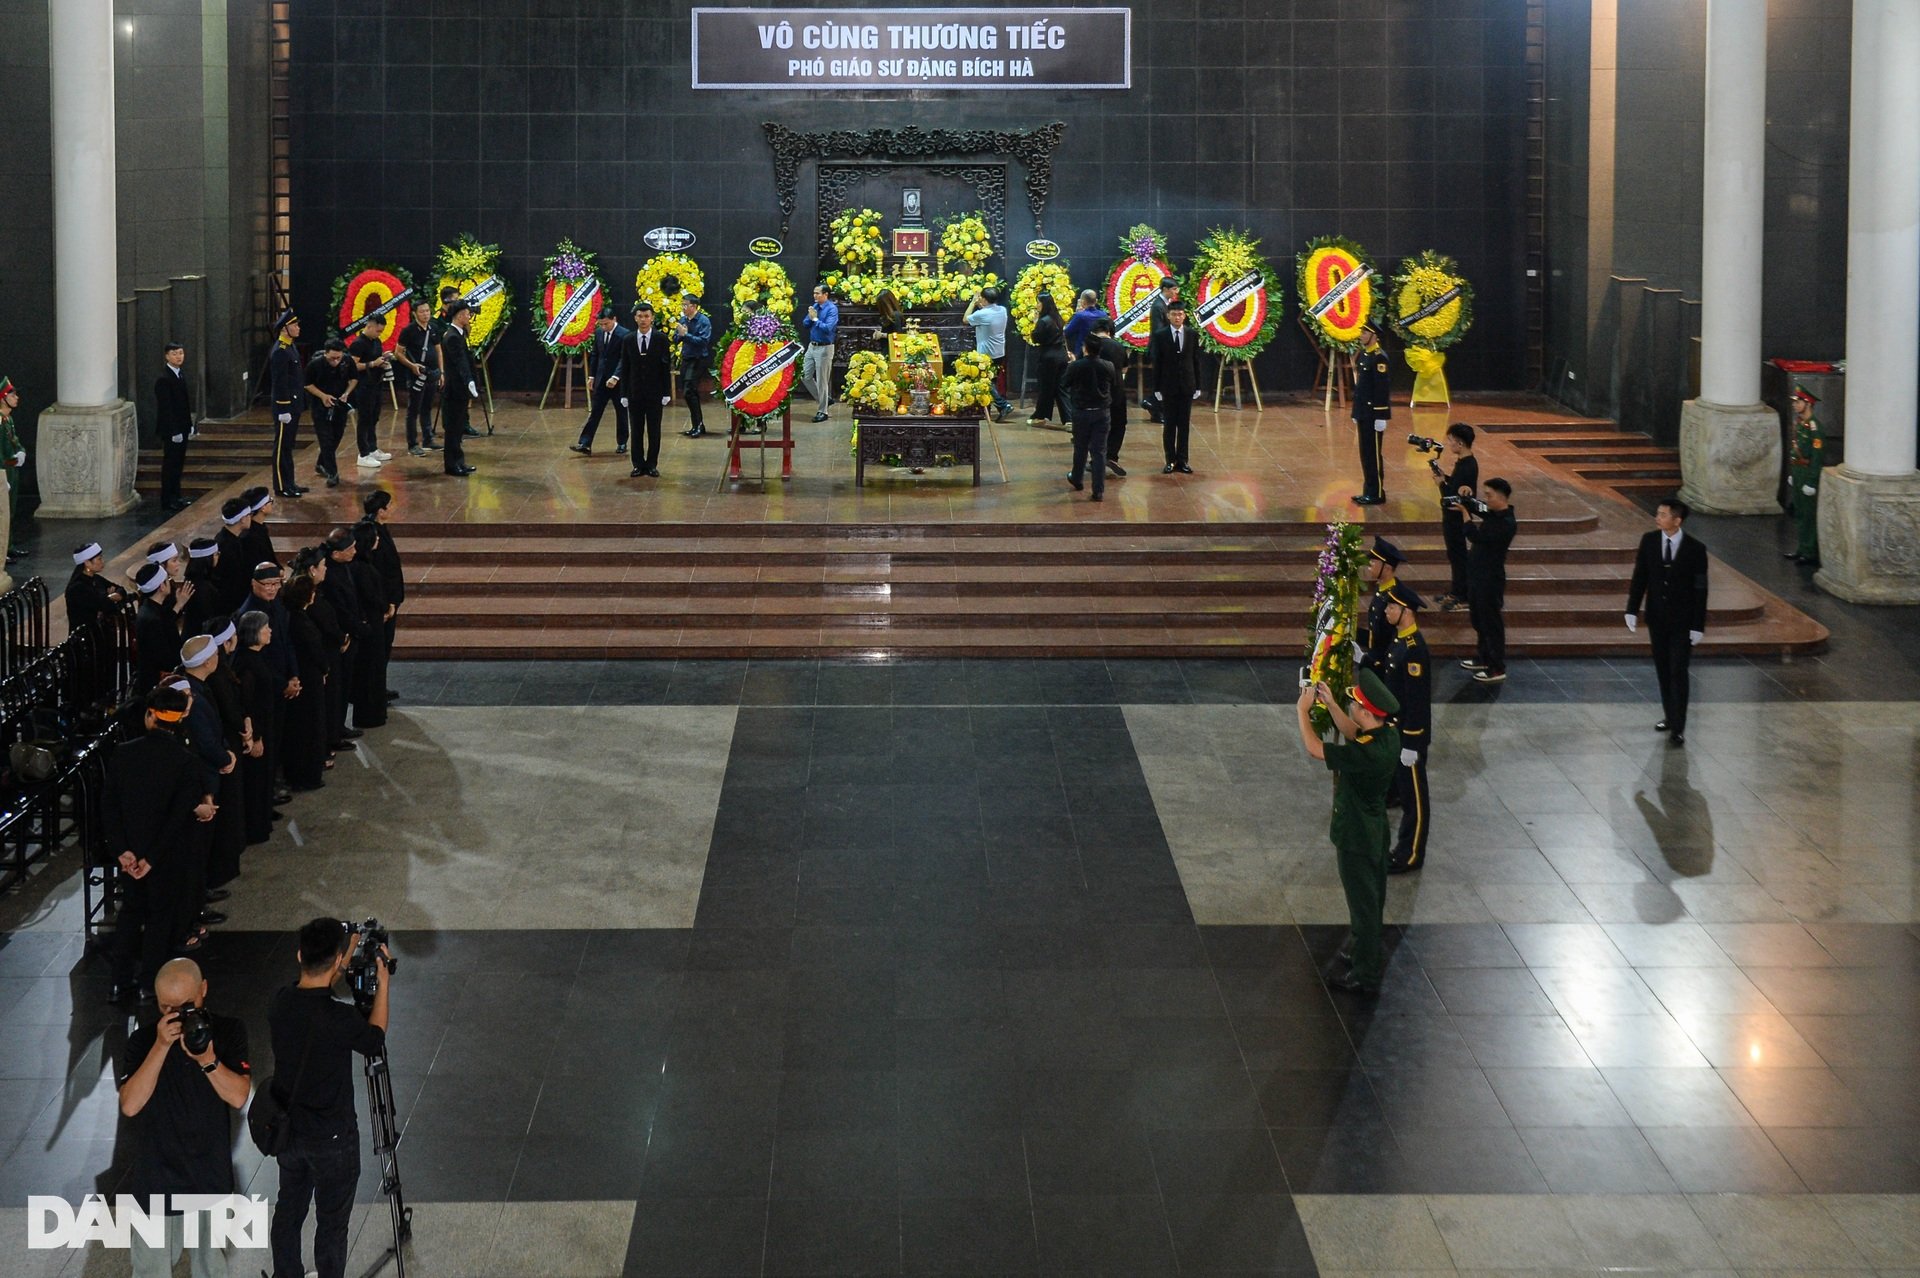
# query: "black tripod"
[[386, 1147]]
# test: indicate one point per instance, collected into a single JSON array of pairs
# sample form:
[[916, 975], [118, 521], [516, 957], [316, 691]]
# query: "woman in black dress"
[[1049, 342], [304, 751], [260, 690], [369, 691]]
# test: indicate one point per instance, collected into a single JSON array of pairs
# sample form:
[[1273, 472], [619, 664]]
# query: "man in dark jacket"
[[1489, 533], [1118, 354], [694, 332], [89, 594], [1176, 383], [173, 418], [155, 792], [648, 388], [606, 371], [331, 379], [1670, 578], [1091, 386], [459, 388]]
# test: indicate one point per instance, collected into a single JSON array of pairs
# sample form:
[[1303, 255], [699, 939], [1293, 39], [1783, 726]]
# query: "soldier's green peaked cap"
[[1370, 692]]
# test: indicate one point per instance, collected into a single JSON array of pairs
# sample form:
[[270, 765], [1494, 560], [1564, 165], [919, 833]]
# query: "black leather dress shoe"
[[1660, 726], [1676, 738], [582, 449], [351, 734], [215, 895], [392, 696], [283, 795], [653, 472], [1346, 982], [471, 434], [636, 472], [1184, 469], [819, 417], [1115, 468], [212, 918], [619, 450], [1167, 469], [1075, 483]]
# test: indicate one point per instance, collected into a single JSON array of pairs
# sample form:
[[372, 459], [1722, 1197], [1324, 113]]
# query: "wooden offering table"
[[917, 441]]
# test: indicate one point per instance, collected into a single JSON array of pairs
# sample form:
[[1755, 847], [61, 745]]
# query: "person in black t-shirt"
[[372, 365], [180, 1106], [1489, 533], [314, 1039], [330, 381], [1461, 480]]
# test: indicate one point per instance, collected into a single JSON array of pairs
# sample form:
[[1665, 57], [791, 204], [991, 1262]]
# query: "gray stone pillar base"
[[1869, 536], [1730, 458], [86, 461]]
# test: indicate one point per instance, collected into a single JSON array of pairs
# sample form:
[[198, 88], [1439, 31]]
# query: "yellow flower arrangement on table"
[[768, 279], [1041, 277], [965, 239], [914, 345], [856, 240], [969, 386], [1430, 308]]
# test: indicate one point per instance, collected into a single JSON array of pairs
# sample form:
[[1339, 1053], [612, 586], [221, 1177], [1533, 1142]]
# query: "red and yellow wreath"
[[759, 336], [366, 287], [1135, 276], [1324, 267]]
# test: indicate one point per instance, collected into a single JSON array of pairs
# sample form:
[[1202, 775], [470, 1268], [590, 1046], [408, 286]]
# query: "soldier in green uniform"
[[13, 456], [1363, 767], [1803, 476], [1408, 674]]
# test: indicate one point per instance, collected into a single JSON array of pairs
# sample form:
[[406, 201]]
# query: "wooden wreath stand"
[[1331, 376], [1239, 368], [736, 432], [569, 363], [486, 381]]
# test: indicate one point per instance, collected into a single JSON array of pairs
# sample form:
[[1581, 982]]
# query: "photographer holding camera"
[[181, 1080], [1490, 526], [314, 1039], [1460, 479]]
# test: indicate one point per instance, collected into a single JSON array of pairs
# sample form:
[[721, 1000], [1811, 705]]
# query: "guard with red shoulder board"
[[1408, 674], [1803, 476]]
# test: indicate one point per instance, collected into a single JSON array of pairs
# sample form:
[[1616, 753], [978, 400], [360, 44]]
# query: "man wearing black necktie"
[[1176, 384], [649, 388], [173, 415], [606, 369], [1670, 577]]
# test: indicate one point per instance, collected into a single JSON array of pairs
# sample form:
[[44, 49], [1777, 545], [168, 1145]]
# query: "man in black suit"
[[1168, 294], [1670, 577], [1372, 407], [459, 389], [649, 388], [173, 405], [1176, 383], [606, 369]]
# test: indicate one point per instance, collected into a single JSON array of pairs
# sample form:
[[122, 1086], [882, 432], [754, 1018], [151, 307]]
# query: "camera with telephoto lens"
[[1426, 445], [1474, 504], [362, 979], [196, 1028]]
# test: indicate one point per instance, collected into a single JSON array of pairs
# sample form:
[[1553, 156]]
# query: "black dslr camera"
[[196, 1028], [1474, 504], [362, 981], [1425, 444]]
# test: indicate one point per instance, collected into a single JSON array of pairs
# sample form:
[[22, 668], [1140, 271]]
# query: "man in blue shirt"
[[695, 334], [822, 324], [989, 321]]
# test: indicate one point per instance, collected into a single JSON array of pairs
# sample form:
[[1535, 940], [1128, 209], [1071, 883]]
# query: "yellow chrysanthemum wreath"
[[965, 239], [764, 279], [970, 385], [1421, 281], [1041, 277], [651, 286], [856, 240]]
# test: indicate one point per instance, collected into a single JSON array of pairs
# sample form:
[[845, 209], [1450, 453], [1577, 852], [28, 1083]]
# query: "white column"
[[84, 245], [1729, 440], [1870, 504], [1883, 237], [1732, 207]]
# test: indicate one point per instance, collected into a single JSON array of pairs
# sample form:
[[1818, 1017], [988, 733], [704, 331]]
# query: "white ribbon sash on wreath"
[[381, 310], [1134, 313], [571, 311], [1228, 298], [767, 366], [483, 290], [1331, 298]]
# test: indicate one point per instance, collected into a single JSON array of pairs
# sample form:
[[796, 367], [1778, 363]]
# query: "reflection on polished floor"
[[1013, 967]]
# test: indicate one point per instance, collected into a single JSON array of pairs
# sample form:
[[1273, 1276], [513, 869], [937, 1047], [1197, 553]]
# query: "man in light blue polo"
[[822, 326], [989, 320]]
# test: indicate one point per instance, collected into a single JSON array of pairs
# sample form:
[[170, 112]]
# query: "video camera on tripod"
[[362, 981]]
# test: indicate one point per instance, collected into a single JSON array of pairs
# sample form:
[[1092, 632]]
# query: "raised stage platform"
[[544, 552]]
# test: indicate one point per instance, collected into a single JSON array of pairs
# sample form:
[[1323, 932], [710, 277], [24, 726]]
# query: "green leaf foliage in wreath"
[[465, 263], [1228, 255], [1422, 280]]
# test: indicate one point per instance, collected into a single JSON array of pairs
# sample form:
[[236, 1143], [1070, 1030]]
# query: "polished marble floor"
[[1013, 968]]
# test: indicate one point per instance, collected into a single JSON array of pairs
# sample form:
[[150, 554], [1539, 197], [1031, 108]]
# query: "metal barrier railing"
[[23, 625]]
